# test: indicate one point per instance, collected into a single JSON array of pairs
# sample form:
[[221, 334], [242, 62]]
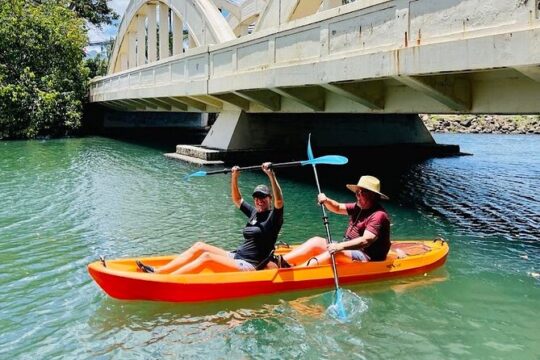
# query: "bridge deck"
[[378, 56]]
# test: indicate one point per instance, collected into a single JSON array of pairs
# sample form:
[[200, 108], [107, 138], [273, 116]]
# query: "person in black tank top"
[[260, 234], [367, 237]]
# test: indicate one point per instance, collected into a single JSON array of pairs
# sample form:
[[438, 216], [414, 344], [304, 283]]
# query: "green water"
[[65, 202]]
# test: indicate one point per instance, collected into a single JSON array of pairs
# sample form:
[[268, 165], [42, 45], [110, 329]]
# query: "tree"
[[96, 12], [43, 78], [97, 65]]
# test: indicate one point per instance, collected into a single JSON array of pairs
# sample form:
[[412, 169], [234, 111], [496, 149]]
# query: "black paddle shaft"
[[255, 167], [327, 228]]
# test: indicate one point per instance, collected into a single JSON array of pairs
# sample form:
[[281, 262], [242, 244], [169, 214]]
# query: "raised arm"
[[276, 189], [235, 192], [332, 205]]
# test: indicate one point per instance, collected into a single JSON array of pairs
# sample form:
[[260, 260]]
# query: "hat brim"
[[259, 194], [354, 188]]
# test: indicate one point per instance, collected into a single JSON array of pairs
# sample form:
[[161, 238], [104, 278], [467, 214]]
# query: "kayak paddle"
[[338, 300], [327, 160]]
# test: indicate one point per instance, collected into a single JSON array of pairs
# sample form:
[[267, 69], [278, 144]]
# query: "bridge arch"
[[137, 39], [249, 14], [278, 12]]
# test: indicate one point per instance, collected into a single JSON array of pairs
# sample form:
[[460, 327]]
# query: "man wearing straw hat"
[[367, 237]]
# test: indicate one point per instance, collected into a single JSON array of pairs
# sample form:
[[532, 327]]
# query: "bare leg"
[[312, 247], [220, 263], [342, 257], [189, 255]]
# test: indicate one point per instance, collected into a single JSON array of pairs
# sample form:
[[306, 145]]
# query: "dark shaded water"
[[494, 192], [64, 202]]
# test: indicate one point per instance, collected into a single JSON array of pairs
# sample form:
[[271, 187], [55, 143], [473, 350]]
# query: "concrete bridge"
[[369, 59]]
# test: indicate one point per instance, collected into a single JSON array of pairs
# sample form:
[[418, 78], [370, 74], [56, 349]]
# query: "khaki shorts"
[[359, 255]]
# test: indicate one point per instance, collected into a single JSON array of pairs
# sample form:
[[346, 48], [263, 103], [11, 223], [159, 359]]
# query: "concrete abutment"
[[239, 137]]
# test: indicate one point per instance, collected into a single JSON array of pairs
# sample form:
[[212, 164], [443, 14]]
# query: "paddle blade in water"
[[337, 308], [346, 306]]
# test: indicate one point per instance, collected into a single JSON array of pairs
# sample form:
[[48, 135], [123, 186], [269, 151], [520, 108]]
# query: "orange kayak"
[[121, 279]]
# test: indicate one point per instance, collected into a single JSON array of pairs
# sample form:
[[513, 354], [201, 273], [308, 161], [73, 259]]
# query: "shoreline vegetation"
[[482, 124], [44, 71]]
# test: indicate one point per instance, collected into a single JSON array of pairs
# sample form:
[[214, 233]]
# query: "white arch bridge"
[[245, 58]]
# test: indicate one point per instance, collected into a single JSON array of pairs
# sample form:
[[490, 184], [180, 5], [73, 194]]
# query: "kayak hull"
[[121, 279]]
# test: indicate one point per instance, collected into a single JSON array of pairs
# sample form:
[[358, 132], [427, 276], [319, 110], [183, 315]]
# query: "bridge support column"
[[239, 136], [151, 11], [178, 35], [141, 40], [132, 49], [163, 31], [237, 130], [123, 61]]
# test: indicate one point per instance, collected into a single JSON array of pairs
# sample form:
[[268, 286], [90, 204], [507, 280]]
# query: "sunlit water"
[[65, 202]]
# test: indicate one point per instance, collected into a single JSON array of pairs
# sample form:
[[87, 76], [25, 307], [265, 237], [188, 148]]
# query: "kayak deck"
[[121, 278]]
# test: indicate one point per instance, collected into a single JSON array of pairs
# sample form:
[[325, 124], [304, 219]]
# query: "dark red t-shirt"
[[374, 220]]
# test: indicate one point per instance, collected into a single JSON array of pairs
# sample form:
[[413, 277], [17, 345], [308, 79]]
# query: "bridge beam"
[[147, 103], [532, 72], [191, 102], [234, 100], [454, 92], [311, 96], [175, 103], [369, 93], [265, 98], [159, 103], [208, 100], [114, 106], [132, 104]]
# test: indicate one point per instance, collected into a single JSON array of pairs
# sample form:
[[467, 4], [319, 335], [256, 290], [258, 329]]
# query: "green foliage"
[[97, 66], [43, 77], [96, 12]]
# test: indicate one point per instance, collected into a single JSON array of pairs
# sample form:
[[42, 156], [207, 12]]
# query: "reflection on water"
[[65, 202], [254, 326]]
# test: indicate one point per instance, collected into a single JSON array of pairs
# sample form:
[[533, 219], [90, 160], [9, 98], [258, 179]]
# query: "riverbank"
[[482, 124]]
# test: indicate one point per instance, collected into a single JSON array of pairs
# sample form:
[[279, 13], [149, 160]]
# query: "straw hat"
[[370, 183]]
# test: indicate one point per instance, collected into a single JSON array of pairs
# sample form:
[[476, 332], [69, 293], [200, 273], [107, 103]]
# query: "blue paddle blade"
[[309, 150], [327, 159], [338, 307], [197, 173]]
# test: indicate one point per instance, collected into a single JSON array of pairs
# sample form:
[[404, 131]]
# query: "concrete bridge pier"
[[240, 137]]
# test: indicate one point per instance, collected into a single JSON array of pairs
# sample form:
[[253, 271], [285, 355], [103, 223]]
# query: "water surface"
[[65, 202]]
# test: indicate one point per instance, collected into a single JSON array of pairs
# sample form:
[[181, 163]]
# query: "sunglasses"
[[261, 197]]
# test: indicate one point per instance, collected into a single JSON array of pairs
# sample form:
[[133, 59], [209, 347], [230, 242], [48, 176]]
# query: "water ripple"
[[65, 202]]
